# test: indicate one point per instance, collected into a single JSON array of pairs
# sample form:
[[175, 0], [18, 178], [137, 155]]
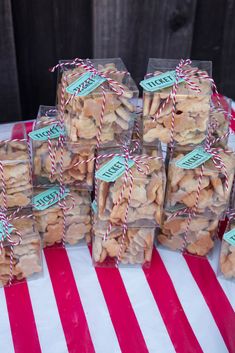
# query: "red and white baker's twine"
[[124, 226]]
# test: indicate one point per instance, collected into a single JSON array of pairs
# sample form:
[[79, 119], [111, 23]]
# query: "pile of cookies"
[[16, 180]]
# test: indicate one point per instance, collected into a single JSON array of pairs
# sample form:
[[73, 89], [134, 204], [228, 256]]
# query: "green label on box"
[[87, 87], [193, 159], [94, 206], [229, 237], [48, 198], [155, 83], [112, 170], [2, 230], [52, 131]]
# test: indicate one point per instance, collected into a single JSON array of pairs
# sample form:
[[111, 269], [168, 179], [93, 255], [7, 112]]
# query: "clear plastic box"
[[192, 108], [82, 113], [77, 219], [200, 236], [182, 184], [15, 158], [146, 201], [80, 175], [135, 249]]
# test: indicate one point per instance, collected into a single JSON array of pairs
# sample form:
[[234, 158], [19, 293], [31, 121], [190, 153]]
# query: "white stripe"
[[227, 285], [49, 328], [148, 315], [6, 343], [193, 303], [99, 322]]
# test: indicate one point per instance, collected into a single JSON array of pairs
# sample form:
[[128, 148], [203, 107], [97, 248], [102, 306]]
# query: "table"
[[178, 305]]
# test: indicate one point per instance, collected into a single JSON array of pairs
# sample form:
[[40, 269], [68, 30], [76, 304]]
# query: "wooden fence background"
[[35, 34]]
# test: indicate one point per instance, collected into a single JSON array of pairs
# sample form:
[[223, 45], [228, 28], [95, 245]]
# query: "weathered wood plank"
[[138, 29], [228, 52], [208, 34], [46, 31], [9, 97]]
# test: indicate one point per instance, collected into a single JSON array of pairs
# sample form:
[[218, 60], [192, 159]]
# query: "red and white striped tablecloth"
[[178, 305]]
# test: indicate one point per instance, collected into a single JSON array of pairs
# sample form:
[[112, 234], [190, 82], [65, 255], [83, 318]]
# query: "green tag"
[[89, 86], [112, 170], [155, 83], [2, 230], [54, 131], [193, 159], [229, 237], [48, 198], [94, 206]]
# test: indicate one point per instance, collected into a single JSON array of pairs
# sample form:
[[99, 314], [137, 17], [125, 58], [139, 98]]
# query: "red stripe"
[[121, 312], [69, 304], [23, 326], [175, 320], [215, 297]]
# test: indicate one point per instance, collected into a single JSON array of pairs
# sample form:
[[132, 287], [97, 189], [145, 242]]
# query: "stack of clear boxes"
[[70, 221], [144, 211], [191, 127], [82, 121], [81, 115], [25, 258]]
